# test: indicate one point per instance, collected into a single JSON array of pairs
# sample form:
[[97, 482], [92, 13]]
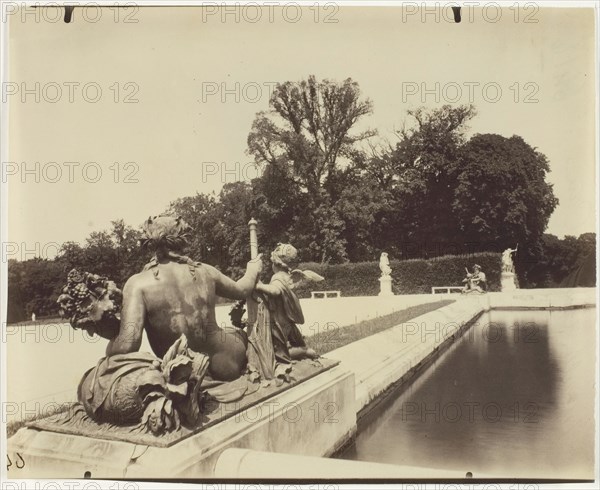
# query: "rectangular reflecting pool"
[[513, 397]]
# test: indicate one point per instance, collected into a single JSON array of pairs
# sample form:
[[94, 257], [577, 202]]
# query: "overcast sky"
[[173, 64]]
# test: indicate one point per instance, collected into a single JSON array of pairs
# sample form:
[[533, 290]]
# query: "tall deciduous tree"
[[305, 138], [310, 127]]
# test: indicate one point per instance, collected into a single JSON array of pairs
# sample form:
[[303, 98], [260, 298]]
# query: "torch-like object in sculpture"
[[251, 304]]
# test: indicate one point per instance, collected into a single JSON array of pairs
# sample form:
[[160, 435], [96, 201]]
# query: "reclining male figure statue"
[[173, 300]]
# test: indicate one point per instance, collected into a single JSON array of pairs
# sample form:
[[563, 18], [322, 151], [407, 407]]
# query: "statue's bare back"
[[175, 295], [175, 303], [168, 301]]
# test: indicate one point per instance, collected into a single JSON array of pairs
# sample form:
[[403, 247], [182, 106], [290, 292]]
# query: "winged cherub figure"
[[278, 317]]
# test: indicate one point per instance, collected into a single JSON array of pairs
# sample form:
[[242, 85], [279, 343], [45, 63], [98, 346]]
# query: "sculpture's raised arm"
[[241, 289]]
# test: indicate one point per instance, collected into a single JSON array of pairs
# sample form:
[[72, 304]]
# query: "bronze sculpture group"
[[173, 300]]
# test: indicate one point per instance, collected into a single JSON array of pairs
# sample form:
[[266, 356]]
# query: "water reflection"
[[513, 397]]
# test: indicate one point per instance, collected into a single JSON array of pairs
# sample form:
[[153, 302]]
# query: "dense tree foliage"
[[425, 166], [561, 257], [34, 286], [338, 196]]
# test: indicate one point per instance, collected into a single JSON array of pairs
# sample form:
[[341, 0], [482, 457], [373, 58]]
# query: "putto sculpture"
[[194, 359], [279, 312], [475, 282]]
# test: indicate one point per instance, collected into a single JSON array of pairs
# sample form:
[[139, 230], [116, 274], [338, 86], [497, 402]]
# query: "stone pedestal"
[[385, 286], [507, 281], [314, 418]]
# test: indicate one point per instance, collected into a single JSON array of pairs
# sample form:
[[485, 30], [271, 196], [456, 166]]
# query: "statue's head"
[[285, 256], [476, 267], [92, 303], [165, 233]]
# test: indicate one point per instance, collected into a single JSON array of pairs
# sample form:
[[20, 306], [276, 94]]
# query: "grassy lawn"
[[336, 337]]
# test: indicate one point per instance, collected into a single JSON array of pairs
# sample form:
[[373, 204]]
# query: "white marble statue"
[[384, 265], [507, 261]]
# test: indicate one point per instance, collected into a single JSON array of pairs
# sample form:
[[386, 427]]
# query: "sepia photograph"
[[299, 244]]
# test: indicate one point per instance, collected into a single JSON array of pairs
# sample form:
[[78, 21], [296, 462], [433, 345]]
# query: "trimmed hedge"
[[414, 276]]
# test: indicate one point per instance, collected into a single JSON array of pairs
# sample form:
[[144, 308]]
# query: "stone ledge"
[[316, 417], [74, 421], [560, 298], [248, 464]]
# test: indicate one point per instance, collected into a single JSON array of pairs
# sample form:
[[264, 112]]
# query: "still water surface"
[[513, 397]]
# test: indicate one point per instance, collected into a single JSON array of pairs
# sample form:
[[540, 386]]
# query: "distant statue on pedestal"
[[508, 278], [384, 264], [385, 281], [476, 281], [507, 261]]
